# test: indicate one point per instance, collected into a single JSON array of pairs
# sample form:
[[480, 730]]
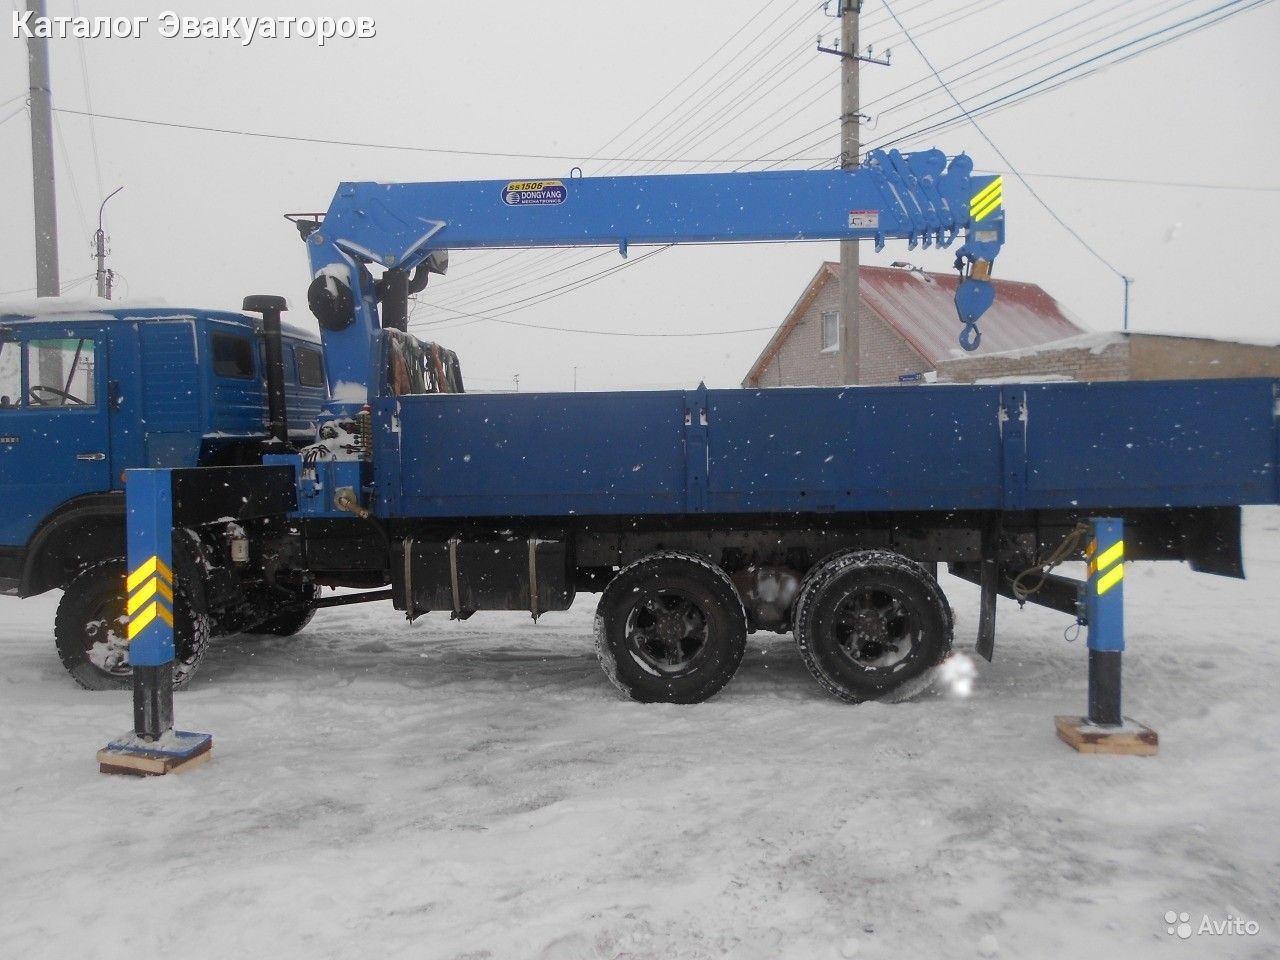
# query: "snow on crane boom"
[[407, 229]]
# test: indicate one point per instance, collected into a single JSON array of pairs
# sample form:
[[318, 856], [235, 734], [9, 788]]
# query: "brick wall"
[[1185, 358], [1133, 357], [883, 353], [801, 362], [1110, 362]]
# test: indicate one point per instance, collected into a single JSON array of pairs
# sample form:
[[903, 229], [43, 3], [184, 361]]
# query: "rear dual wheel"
[[868, 622], [670, 628]]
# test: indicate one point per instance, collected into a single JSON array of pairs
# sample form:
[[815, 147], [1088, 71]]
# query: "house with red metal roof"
[[907, 328]]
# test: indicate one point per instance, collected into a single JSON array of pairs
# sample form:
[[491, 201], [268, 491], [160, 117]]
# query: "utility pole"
[[46, 208], [850, 150], [104, 276]]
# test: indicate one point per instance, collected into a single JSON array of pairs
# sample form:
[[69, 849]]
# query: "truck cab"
[[86, 394]]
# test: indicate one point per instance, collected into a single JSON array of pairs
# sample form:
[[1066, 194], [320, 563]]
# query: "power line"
[[1000, 153], [10, 116], [996, 62], [809, 10], [1020, 33], [88, 102], [1099, 62], [262, 135], [573, 285], [1187, 184], [918, 128], [71, 175], [601, 333], [495, 289], [715, 53], [66, 286], [646, 142]]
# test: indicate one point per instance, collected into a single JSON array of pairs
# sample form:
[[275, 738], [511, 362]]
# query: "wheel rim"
[[876, 629], [105, 640], [666, 632]]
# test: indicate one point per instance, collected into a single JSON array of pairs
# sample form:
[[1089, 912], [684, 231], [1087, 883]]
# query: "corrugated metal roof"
[[921, 307]]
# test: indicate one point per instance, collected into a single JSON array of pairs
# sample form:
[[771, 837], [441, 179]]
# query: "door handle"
[[93, 456]]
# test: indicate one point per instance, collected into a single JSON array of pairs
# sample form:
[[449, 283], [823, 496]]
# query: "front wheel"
[[670, 628], [90, 626], [868, 622]]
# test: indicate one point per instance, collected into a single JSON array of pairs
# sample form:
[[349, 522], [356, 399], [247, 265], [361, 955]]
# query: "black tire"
[[870, 621], [670, 628], [291, 622], [808, 579], [89, 631]]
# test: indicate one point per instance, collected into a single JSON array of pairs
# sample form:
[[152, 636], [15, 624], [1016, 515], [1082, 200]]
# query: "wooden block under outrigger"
[[1130, 737], [174, 752]]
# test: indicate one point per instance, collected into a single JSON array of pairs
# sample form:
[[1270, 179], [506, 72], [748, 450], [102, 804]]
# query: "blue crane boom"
[[406, 229]]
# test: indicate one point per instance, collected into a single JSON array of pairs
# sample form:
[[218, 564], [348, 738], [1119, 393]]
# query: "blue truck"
[[88, 393], [700, 515]]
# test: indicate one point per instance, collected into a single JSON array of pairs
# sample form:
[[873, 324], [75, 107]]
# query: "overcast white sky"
[[200, 221]]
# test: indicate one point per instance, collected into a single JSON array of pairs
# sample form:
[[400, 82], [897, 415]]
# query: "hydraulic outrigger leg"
[[153, 747], [1105, 729]]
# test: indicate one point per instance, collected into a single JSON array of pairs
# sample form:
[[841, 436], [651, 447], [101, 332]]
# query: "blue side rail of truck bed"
[[1068, 446]]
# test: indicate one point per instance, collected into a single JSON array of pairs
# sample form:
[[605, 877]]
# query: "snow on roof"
[[1096, 343], [920, 306], [48, 306], [106, 311]]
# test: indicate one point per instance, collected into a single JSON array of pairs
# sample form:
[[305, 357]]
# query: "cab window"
[[60, 373], [10, 374], [310, 366], [232, 356]]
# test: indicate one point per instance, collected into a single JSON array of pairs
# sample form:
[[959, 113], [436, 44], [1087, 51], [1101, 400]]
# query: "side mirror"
[[6, 334]]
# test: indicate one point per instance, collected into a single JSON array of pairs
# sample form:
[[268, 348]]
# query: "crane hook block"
[[973, 299]]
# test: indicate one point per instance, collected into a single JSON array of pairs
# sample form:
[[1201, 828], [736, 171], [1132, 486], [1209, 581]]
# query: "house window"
[[830, 331]]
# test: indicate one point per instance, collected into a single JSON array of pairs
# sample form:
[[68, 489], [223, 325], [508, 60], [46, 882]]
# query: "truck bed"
[[1095, 446]]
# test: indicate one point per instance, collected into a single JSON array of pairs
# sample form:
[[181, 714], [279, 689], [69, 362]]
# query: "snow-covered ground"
[[477, 789]]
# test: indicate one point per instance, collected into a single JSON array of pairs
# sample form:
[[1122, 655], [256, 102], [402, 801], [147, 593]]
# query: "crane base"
[[176, 751], [1130, 737]]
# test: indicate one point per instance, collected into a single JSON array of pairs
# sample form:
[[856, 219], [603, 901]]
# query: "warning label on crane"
[[864, 219], [521, 193]]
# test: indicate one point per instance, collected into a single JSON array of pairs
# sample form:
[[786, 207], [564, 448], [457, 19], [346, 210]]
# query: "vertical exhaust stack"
[[277, 413], [393, 291]]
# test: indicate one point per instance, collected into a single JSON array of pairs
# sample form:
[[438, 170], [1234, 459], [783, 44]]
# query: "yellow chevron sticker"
[[987, 200], [146, 592], [1110, 555], [143, 618], [148, 587], [1110, 578], [148, 568]]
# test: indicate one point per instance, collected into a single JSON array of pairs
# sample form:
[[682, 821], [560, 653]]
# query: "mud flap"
[[988, 583]]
